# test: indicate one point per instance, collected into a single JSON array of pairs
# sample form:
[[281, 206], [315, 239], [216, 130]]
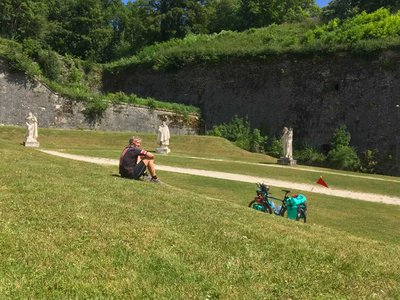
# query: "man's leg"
[[150, 166], [138, 170]]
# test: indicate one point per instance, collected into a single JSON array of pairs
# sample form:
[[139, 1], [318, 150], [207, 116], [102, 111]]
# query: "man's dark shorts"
[[138, 171]]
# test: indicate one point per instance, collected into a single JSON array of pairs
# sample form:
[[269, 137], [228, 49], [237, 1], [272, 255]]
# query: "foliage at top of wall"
[[344, 9], [103, 31], [381, 26], [217, 47], [362, 34], [75, 79]]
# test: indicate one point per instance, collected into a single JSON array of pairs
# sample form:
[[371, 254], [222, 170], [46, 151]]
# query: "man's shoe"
[[155, 180], [146, 178]]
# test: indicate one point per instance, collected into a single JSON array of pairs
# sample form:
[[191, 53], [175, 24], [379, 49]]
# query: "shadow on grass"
[[266, 163], [117, 175]]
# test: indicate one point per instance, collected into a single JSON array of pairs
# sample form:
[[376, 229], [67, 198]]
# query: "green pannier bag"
[[292, 204]]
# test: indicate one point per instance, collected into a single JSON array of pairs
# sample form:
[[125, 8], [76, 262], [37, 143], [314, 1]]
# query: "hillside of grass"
[[365, 34], [73, 229]]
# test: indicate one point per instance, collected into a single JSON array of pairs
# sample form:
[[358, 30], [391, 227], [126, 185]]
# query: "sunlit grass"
[[218, 155], [70, 229]]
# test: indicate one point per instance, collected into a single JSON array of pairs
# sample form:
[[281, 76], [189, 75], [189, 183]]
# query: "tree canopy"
[[343, 9], [105, 30]]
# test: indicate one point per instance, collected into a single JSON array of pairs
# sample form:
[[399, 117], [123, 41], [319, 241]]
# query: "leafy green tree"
[[175, 18], [309, 156], [238, 131], [20, 19], [340, 9], [342, 155], [138, 28], [343, 9], [276, 148], [235, 130], [341, 137], [258, 142], [260, 13], [116, 15], [369, 161], [344, 158], [372, 5], [50, 64], [223, 15], [86, 29]]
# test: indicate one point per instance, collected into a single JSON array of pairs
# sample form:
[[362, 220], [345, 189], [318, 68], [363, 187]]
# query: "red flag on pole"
[[322, 182]]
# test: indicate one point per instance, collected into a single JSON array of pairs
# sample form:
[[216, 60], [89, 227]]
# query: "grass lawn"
[[185, 148], [70, 229]]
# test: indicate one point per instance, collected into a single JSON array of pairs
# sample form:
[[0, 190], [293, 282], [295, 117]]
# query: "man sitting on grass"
[[134, 161]]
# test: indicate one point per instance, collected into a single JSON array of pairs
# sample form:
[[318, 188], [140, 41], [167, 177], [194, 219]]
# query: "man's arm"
[[146, 154], [149, 155]]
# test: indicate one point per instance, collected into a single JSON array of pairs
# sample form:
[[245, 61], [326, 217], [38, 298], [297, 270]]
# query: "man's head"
[[135, 141]]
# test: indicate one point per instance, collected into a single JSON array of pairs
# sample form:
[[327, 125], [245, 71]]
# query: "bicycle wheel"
[[282, 212], [301, 214], [264, 208], [304, 209]]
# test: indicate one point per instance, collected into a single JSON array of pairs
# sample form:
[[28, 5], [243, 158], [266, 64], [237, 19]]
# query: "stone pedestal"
[[31, 144], [287, 161], [163, 150]]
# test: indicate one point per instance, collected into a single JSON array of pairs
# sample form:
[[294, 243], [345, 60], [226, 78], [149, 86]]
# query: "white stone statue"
[[163, 137], [31, 131], [287, 141]]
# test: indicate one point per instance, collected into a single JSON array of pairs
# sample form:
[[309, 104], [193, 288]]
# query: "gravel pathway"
[[245, 178]]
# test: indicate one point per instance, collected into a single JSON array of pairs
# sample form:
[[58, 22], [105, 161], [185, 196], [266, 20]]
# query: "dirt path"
[[244, 178]]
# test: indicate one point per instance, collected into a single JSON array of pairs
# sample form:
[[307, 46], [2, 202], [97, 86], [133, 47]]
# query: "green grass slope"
[[206, 152], [73, 230]]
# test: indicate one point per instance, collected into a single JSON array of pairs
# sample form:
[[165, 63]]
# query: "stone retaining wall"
[[19, 95], [314, 94]]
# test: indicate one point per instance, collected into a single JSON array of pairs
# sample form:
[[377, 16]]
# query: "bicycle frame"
[[264, 202], [280, 210]]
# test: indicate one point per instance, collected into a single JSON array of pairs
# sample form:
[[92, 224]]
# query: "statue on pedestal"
[[287, 141], [287, 146], [31, 131], [163, 137]]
